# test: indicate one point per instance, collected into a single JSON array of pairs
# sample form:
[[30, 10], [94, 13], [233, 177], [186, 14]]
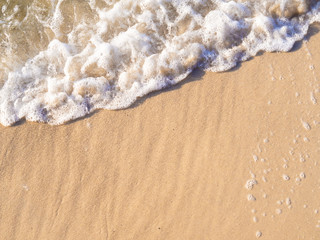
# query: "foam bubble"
[[285, 177], [306, 139], [250, 197], [288, 201], [258, 234], [306, 125], [302, 175]]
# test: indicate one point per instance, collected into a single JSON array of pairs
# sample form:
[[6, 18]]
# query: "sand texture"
[[176, 164]]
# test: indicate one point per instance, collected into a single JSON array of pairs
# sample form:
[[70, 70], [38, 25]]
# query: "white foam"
[[76, 57]]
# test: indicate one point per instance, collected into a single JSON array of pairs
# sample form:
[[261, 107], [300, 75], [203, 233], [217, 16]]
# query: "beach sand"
[[231, 155]]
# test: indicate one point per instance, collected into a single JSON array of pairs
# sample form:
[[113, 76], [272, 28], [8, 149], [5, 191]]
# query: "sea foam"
[[62, 59]]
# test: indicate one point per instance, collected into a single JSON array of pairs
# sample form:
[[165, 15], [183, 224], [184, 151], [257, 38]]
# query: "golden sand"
[[176, 164]]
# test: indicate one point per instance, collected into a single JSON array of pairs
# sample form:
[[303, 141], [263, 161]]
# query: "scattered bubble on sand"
[[306, 139], [285, 177], [255, 219], [25, 187], [312, 98], [250, 183], [264, 214], [278, 211], [250, 197], [285, 166], [316, 211], [279, 202], [281, 77], [264, 179], [88, 125], [253, 210], [258, 234], [266, 171], [311, 67], [288, 201], [306, 125], [263, 160], [264, 195], [302, 159], [302, 175], [305, 206], [255, 158], [252, 175], [298, 179], [297, 94], [259, 148]]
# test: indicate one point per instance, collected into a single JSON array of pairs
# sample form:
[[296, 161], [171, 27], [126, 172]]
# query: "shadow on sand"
[[195, 75]]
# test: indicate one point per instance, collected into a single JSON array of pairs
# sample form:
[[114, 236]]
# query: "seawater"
[[62, 59]]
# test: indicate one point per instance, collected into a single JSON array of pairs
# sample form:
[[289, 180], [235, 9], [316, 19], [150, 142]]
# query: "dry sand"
[[175, 165]]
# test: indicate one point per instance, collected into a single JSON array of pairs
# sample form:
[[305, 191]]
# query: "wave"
[[62, 59]]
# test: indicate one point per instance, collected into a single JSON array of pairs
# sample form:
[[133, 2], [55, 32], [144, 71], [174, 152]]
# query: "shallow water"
[[62, 59]]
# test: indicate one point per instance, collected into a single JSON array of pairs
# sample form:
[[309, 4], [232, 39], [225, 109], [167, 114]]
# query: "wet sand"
[[176, 165]]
